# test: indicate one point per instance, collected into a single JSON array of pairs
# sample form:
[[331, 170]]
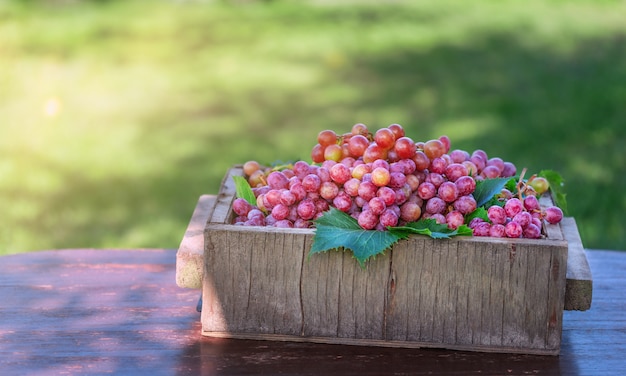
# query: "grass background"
[[116, 115]]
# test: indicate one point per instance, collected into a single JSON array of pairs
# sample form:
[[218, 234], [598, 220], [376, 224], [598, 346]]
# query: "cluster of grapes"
[[386, 179]]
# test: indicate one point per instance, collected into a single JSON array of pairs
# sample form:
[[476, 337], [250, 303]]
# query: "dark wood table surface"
[[89, 311]]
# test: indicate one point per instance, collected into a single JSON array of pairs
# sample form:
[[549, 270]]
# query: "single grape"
[[455, 171], [357, 145], [445, 140], [327, 137], [351, 187], [333, 152], [490, 172], [532, 231], [277, 180], [287, 197], [465, 185], [329, 190], [241, 207], [342, 201], [410, 211], [421, 161], [280, 212], [481, 229], [306, 209], [435, 205], [513, 230], [388, 218], [380, 176], [298, 191], [434, 148], [317, 153], [523, 218], [367, 220], [448, 191], [553, 214], [465, 204], [539, 184], [454, 219], [377, 205], [385, 138], [405, 147], [426, 190], [513, 206], [340, 173], [459, 156], [496, 214], [497, 230], [301, 169], [531, 203], [359, 128], [497, 162], [435, 179], [311, 183], [374, 152], [397, 129], [251, 166], [397, 179], [438, 165], [509, 170], [283, 223]]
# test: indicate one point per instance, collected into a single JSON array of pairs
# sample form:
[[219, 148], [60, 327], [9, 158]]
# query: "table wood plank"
[[94, 311]]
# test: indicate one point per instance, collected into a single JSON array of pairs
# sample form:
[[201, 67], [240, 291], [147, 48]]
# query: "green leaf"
[[336, 229], [431, 228], [244, 190], [486, 189], [557, 186], [480, 212]]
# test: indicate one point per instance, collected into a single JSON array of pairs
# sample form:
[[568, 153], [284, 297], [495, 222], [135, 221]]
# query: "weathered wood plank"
[[190, 254], [579, 284]]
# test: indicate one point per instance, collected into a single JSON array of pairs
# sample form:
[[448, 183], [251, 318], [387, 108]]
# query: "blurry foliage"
[[116, 115]]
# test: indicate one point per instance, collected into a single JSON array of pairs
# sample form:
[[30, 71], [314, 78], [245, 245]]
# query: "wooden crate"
[[478, 294]]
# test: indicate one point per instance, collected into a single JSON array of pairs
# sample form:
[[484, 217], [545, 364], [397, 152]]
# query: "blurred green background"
[[116, 115]]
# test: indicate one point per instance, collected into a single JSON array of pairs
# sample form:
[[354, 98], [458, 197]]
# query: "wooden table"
[[92, 311]]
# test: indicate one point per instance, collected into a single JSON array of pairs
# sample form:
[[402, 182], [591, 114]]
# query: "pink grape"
[[377, 205], [438, 165], [497, 231], [380, 176], [454, 219], [367, 220], [513, 230], [283, 223], [387, 194], [435, 179], [448, 191], [343, 202], [367, 190], [532, 231], [509, 170], [396, 179], [306, 209], [435, 205], [481, 229], [351, 187], [340, 173], [410, 211], [523, 218], [287, 197], [490, 172], [513, 206], [277, 180], [241, 207], [301, 169], [496, 214], [465, 185], [311, 183], [329, 190], [465, 204], [454, 171], [531, 203], [553, 214], [426, 190], [280, 212], [388, 218]]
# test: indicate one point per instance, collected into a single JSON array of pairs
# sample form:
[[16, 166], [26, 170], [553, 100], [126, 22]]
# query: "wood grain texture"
[[86, 311]]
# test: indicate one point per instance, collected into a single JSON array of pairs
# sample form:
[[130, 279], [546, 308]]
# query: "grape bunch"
[[385, 179]]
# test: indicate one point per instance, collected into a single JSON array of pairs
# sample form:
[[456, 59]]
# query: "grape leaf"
[[486, 189], [431, 228], [336, 229], [244, 190], [480, 212], [556, 186]]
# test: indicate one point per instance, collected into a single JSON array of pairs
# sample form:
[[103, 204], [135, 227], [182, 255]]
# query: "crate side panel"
[[362, 297], [226, 282], [556, 296], [274, 301], [320, 287]]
